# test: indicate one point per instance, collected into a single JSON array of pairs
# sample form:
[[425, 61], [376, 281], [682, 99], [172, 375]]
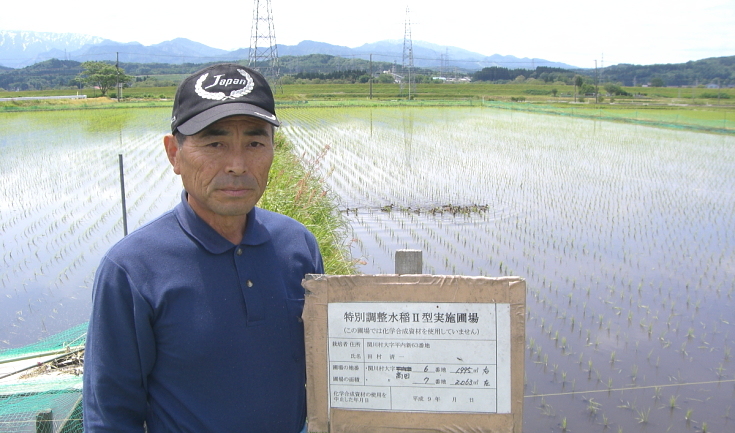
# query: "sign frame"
[[321, 290]]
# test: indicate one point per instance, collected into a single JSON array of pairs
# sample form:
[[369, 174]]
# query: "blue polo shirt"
[[191, 333]]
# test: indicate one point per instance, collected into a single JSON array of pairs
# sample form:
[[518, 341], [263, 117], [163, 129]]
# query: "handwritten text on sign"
[[444, 357]]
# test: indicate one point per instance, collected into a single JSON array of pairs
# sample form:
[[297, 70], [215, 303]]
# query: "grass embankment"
[[294, 189], [696, 118], [78, 104]]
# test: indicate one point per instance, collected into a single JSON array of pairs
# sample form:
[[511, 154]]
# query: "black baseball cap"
[[219, 91]]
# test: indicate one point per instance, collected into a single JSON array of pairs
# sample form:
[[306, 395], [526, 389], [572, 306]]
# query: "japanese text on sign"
[[445, 357]]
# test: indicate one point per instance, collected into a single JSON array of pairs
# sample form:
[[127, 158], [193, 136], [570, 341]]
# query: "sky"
[[576, 32]]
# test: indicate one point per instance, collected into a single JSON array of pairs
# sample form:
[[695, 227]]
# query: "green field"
[[474, 91], [663, 107]]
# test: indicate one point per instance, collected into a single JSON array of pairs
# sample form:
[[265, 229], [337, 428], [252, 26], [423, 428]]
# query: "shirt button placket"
[[249, 283]]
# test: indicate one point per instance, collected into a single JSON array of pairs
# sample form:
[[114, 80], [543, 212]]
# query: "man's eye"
[[256, 144], [215, 144]]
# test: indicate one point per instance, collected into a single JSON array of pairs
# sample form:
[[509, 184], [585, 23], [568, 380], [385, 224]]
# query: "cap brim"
[[209, 116]]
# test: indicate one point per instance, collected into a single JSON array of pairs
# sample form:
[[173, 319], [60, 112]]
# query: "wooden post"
[[408, 262], [45, 421]]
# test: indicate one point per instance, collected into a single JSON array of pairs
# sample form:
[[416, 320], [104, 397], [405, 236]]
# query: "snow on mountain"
[[20, 48]]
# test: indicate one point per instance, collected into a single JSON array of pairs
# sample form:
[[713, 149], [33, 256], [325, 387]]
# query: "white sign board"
[[420, 357]]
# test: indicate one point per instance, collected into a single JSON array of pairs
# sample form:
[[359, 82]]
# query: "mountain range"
[[23, 48]]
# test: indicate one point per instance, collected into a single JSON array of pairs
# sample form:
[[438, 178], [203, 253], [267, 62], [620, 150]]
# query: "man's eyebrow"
[[255, 132], [213, 132]]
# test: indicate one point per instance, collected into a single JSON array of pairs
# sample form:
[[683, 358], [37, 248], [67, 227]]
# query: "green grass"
[[709, 119], [79, 104], [485, 91], [295, 189], [477, 91]]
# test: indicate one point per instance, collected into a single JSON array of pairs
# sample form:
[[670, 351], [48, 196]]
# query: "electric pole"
[[117, 76], [602, 67], [597, 93], [371, 75]]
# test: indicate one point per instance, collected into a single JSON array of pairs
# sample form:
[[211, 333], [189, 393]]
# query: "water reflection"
[[623, 232], [60, 208]]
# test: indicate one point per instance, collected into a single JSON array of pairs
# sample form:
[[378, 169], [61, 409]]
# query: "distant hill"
[[176, 51], [705, 71], [56, 73], [20, 49], [428, 55], [48, 74], [304, 48], [32, 60], [712, 71]]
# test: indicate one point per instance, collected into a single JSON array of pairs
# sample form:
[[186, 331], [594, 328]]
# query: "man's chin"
[[234, 206], [233, 210]]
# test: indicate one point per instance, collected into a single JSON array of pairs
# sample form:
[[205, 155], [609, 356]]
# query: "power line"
[[407, 63]]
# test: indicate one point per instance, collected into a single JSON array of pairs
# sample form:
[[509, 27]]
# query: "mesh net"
[[41, 385], [70, 338]]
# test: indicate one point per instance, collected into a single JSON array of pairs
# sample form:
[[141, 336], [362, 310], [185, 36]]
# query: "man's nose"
[[237, 160]]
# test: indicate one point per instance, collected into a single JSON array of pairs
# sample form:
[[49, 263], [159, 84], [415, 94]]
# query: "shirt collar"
[[255, 231]]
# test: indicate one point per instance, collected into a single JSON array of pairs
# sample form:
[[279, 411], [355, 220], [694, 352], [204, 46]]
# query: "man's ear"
[[172, 150]]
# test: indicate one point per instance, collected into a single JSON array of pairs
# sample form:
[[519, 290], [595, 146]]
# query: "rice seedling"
[[643, 415], [621, 236], [720, 369], [593, 406]]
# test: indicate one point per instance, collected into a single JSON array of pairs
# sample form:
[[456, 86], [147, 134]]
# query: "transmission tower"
[[263, 49], [407, 69]]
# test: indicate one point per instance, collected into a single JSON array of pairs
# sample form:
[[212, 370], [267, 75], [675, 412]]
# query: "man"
[[196, 321]]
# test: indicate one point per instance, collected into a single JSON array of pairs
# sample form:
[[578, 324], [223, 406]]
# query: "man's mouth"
[[235, 191]]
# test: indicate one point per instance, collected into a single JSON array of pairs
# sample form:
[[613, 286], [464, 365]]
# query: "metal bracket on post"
[[409, 262], [122, 193]]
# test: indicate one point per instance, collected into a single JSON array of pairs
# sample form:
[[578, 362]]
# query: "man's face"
[[224, 167]]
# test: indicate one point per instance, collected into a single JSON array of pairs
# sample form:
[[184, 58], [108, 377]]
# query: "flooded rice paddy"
[[624, 234], [60, 208]]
